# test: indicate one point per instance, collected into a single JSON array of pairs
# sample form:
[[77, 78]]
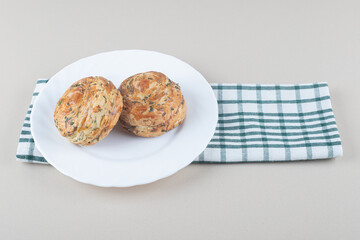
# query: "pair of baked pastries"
[[148, 104]]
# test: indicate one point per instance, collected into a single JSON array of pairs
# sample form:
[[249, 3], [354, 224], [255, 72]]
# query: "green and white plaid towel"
[[257, 123]]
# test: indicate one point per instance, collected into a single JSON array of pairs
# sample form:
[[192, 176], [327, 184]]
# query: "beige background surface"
[[227, 41]]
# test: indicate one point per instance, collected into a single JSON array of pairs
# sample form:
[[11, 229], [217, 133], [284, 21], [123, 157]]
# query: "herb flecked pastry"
[[88, 110], [153, 104]]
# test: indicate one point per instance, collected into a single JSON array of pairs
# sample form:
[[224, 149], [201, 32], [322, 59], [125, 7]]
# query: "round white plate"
[[121, 159]]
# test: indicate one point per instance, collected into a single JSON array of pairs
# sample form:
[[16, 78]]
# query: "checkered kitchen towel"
[[257, 123]]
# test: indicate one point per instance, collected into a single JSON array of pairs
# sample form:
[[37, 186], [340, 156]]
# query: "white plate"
[[121, 159]]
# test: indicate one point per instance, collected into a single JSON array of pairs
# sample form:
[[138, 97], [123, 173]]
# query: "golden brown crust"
[[88, 110], [153, 104]]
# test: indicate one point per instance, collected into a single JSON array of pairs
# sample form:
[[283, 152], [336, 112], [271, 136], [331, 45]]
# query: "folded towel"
[[257, 123]]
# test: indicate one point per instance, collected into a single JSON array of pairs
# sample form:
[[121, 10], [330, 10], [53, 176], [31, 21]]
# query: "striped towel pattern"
[[257, 123], [27, 151], [262, 123]]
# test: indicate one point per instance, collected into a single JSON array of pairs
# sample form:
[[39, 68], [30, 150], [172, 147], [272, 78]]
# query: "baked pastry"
[[88, 110], [153, 104]]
